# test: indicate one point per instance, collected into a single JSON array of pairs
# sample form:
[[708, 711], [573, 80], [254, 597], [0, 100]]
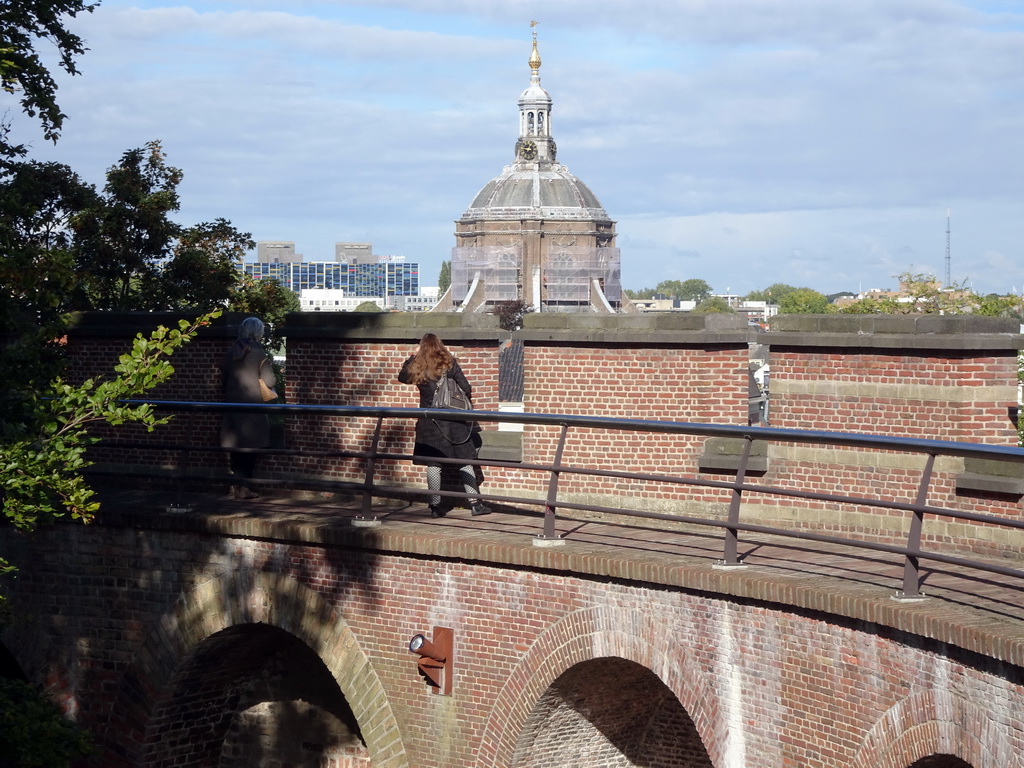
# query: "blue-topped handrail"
[[739, 487]]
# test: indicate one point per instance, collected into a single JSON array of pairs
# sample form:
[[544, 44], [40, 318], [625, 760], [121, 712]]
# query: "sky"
[[832, 144]]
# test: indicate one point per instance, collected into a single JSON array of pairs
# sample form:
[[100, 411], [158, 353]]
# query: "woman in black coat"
[[438, 438], [244, 365]]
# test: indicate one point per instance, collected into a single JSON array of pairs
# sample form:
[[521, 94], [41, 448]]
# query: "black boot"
[[479, 508]]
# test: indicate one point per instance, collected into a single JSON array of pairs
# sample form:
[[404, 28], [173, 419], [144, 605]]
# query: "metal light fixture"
[[435, 662]]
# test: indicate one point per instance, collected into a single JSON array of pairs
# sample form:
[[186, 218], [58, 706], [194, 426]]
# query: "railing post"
[[549, 537], [366, 518], [911, 566], [730, 556]]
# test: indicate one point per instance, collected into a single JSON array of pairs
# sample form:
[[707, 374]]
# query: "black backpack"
[[449, 396]]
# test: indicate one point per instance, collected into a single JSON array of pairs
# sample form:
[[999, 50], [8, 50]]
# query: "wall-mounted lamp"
[[435, 662]]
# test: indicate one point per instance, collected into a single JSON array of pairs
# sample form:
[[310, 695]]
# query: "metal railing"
[[738, 488]]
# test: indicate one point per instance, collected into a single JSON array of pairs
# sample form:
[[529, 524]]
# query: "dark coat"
[[244, 364], [439, 438]]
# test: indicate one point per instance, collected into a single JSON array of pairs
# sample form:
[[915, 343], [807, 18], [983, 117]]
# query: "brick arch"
[[237, 599], [587, 635], [931, 723]]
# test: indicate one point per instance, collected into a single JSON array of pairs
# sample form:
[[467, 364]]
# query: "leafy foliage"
[[444, 279], [923, 294], [37, 276], [773, 294], [124, 237], [24, 23], [266, 299], [805, 301], [203, 271], [511, 313], [713, 304], [34, 733], [693, 289], [45, 434], [367, 306]]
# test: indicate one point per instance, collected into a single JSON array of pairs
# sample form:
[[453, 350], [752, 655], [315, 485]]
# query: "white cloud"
[[744, 142]]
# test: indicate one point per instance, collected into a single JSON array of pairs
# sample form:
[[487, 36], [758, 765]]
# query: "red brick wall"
[[163, 637], [935, 378]]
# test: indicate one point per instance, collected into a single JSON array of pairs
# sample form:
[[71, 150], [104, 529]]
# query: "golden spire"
[[535, 56]]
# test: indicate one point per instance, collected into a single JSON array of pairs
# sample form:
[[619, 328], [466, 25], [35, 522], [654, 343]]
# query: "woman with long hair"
[[245, 364], [436, 439]]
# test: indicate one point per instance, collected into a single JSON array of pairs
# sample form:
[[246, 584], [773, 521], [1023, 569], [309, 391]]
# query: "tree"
[[713, 304], [805, 301], [35, 734], [511, 313], [23, 23], [642, 293], [266, 299], [37, 202], [773, 294], [368, 306], [44, 440], [444, 279], [694, 290], [125, 237], [923, 294], [203, 270], [841, 295], [671, 289]]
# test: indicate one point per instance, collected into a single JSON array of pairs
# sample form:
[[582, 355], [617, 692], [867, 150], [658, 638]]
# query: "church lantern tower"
[[535, 232]]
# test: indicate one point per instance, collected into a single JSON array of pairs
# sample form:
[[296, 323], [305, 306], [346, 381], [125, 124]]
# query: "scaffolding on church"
[[569, 272], [498, 268]]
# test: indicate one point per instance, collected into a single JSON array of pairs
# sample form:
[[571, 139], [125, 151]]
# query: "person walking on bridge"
[[437, 439]]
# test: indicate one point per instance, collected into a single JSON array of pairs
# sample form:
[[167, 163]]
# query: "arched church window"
[[529, 123], [540, 123]]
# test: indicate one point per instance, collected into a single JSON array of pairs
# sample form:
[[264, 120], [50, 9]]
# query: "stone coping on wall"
[[128, 324], [899, 332], [647, 329]]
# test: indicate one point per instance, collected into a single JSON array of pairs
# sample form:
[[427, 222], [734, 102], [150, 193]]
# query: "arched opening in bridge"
[[940, 761], [607, 713], [253, 695]]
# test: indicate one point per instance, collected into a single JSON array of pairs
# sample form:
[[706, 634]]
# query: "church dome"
[[535, 193]]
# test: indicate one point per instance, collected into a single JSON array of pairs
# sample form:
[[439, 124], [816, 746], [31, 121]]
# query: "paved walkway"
[[979, 612]]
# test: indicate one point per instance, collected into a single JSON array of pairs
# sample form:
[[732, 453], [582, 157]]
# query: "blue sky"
[[744, 142]]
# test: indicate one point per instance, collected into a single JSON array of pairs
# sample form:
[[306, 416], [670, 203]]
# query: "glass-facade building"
[[385, 278]]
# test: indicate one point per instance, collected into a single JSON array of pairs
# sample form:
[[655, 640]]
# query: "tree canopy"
[[23, 25], [922, 293], [444, 278], [713, 304], [805, 301], [124, 237]]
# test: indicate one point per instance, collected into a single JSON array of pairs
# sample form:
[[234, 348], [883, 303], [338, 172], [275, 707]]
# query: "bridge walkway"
[[979, 613]]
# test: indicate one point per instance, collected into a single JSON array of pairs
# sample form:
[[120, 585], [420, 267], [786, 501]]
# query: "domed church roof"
[[535, 193], [534, 186]]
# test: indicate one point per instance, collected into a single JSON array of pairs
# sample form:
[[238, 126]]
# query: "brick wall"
[[951, 378], [194, 641], [930, 377]]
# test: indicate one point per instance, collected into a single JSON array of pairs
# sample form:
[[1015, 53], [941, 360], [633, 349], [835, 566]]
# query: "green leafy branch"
[[42, 470]]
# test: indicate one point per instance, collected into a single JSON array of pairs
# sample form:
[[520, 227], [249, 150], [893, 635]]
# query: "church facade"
[[535, 232]]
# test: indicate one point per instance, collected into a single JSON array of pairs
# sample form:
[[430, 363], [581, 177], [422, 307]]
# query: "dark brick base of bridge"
[[274, 633]]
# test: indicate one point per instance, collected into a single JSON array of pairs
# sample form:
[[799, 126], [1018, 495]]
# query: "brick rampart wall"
[[941, 378], [949, 378], [193, 641]]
